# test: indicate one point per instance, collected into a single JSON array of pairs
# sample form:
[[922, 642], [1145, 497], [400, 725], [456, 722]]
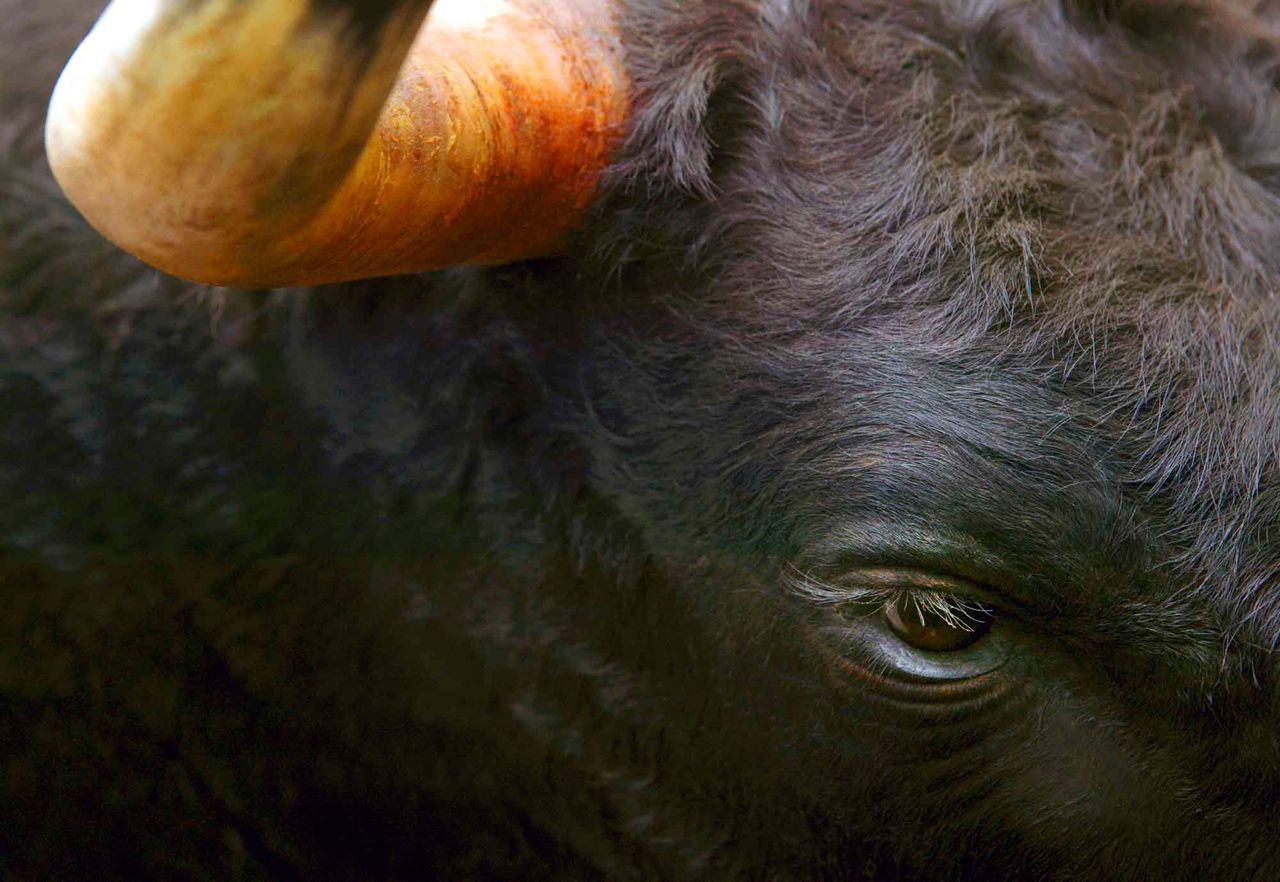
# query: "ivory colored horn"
[[266, 143]]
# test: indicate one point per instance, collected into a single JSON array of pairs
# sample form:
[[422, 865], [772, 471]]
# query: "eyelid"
[[911, 577], [865, 583], [897, 545]]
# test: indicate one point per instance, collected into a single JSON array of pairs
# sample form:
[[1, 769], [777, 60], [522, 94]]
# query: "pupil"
[[925, 627]]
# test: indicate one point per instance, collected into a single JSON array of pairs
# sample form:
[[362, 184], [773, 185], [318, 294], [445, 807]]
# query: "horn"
[[267, 143]]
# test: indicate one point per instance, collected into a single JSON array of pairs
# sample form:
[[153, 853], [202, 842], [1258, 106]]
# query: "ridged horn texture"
[[265, 143]]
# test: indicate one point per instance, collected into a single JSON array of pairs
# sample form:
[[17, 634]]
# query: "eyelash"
[[955, 610]]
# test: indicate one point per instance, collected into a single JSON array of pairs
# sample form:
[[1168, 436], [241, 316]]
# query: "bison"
[[722, 439]]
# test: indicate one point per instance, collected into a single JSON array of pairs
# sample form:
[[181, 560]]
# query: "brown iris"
[[937, 623]]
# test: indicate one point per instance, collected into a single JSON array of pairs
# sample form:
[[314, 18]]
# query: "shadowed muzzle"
[[286, 142]]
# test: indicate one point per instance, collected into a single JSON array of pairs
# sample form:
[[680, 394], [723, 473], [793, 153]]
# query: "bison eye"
[[918, 624], [937, 622]]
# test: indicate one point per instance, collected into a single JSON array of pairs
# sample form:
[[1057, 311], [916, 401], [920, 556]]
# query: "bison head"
[[864, 462]]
